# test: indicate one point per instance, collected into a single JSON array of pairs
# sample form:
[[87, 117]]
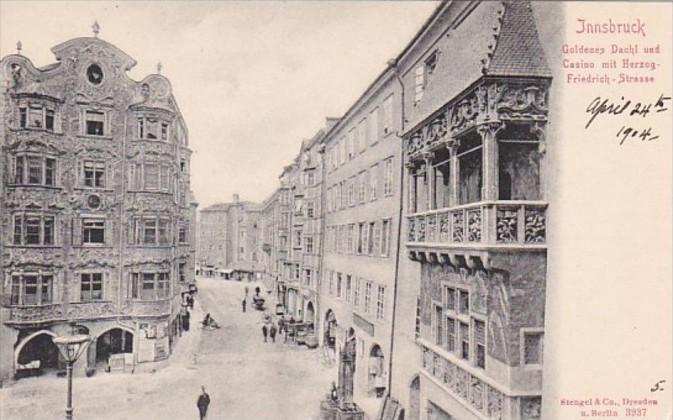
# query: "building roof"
[[247, 205], [484, 39], [518, 51], [218, 207]]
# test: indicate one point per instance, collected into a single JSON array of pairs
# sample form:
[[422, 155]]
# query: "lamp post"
[[71, 348]]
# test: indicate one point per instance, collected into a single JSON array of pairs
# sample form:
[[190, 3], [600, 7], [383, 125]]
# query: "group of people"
[[256, 299], [269, 331]]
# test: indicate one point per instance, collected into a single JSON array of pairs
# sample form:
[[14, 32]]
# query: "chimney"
[[235, 198]]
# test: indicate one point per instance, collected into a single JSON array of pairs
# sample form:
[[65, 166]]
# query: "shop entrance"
[[111, 342], [376, 372], [37, 355]]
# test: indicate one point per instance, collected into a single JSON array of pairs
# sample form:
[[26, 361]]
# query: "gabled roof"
[[518, 51], [480, 39], [75, 45]]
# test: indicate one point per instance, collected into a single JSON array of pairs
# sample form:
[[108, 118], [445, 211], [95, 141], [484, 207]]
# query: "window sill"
[[92, 301], [35, 246], [94, 137], [97, 246], [36, 129], [26, 306], [150, 192], [151, 246], [153, 140], [47, 187], [164, 299], [94, 189]]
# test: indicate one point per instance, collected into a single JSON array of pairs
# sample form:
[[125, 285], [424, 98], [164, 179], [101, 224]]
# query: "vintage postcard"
[[336, 210]]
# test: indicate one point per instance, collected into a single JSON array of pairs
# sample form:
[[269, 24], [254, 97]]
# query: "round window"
[[95, 74], [93, 201]]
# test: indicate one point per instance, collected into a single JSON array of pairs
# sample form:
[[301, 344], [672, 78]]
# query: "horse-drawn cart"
[[258, 302]]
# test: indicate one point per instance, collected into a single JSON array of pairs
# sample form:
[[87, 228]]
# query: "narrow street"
[[245, 377]]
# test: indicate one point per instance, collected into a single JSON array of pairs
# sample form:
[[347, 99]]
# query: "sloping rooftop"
[[518, 51], [248, 205], [492, 39]]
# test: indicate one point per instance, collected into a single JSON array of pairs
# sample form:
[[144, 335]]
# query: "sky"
[[252, 79]]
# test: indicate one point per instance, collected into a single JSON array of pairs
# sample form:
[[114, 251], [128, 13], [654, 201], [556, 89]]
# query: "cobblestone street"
[[245, 377]]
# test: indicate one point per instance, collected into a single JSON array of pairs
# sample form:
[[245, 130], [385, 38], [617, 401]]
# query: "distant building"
[[269, 240], [228, 242], [96, 203], [302, 275]]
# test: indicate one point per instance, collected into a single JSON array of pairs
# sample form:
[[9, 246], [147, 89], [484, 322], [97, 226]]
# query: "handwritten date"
[[599, 106]]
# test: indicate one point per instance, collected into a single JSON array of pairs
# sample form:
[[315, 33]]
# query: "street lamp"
[[71, 347]]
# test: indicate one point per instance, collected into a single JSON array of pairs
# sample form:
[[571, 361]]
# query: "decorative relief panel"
[[60, 312], [506, 224], [535, 229], [473, 391], [531, 408], [492, 102], [474, 225], [458, 226]]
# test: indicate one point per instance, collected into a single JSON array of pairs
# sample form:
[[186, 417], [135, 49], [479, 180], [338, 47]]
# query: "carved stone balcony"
[[475, 229], [62, 312]]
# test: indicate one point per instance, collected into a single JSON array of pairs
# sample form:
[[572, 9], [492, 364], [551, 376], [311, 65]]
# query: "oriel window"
[[34, 170], [31, 289], [33, 229], [152, 128], [35, 116]]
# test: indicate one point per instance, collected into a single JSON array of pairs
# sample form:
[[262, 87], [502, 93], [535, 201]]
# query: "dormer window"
[[95, 123], [419, 83], [431, 63]]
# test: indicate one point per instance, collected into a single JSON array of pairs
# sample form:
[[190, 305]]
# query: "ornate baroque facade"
[[97, 214]]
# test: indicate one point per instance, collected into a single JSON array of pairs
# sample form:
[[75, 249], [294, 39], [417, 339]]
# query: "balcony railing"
[[488, 223]]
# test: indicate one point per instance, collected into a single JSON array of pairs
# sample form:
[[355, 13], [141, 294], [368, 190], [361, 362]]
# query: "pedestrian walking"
[[203, 402], [272, 332], [265, 331], [243, 304]]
